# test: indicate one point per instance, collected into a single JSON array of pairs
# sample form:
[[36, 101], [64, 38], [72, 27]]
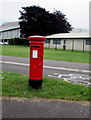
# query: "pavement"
[[39, 108]]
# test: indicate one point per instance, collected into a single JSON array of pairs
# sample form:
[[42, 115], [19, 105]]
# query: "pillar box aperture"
[[36, 61]]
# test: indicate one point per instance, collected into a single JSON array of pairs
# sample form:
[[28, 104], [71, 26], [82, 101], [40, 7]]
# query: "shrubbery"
[[18, 41]]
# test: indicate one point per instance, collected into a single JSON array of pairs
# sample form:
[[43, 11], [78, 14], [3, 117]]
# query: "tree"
[[35, 20], [61, 22]]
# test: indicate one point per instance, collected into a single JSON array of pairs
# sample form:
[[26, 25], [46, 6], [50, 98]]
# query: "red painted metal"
[[36, 57]]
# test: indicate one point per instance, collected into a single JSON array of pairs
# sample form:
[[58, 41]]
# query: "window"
[[56, 41], [47, 41], [88, 42], [65, 41]]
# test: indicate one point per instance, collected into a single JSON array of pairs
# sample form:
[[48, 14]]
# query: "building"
[[76, 40], [9, 30], [71, 41]]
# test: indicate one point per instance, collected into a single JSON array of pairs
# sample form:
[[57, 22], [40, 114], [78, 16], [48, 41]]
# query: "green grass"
[[16, 85], [15, 50], [68, 55]]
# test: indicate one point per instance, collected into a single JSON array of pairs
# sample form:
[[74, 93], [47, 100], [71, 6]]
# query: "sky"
[[76, 11]]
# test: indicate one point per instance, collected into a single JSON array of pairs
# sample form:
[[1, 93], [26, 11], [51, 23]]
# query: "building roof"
[[9, 26], [79, 30], [69, 35]]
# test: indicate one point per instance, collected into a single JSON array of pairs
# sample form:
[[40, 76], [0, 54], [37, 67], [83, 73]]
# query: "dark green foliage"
[[18, 41], [35, 20]]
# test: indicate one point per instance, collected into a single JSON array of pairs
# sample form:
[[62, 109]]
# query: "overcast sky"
[[77, 11]]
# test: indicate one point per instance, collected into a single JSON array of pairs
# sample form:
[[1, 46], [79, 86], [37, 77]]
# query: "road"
[[63, 70]]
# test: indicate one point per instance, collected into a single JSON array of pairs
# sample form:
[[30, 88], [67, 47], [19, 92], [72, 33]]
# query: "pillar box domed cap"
[[36, 38]]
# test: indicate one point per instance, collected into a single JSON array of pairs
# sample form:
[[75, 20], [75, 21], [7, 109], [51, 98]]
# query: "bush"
[[18, 41]]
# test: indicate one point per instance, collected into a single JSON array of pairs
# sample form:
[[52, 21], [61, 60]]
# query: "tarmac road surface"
[[38, 108], [65, 64], [63, 70]]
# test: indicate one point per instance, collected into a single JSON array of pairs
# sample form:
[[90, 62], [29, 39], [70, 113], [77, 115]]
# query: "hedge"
[[18, 41]]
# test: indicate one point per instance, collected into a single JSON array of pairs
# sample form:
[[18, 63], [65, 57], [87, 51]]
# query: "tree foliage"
[[35, 20]]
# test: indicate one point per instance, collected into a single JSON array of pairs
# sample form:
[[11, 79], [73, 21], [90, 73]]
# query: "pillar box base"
[[36, 84]]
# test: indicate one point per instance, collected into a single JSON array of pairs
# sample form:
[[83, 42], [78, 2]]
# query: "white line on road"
[[14, 63], [48, 67], [68, 69]]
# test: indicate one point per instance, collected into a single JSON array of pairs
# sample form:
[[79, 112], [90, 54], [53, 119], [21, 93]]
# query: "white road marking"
[[74, 78], [14, 63], [68, 69], [48, 67]]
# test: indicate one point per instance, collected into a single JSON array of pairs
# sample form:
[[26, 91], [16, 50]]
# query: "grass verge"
[[68, 55], [16, 85]]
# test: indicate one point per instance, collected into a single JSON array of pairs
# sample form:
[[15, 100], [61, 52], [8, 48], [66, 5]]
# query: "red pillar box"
[[36, 61]]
